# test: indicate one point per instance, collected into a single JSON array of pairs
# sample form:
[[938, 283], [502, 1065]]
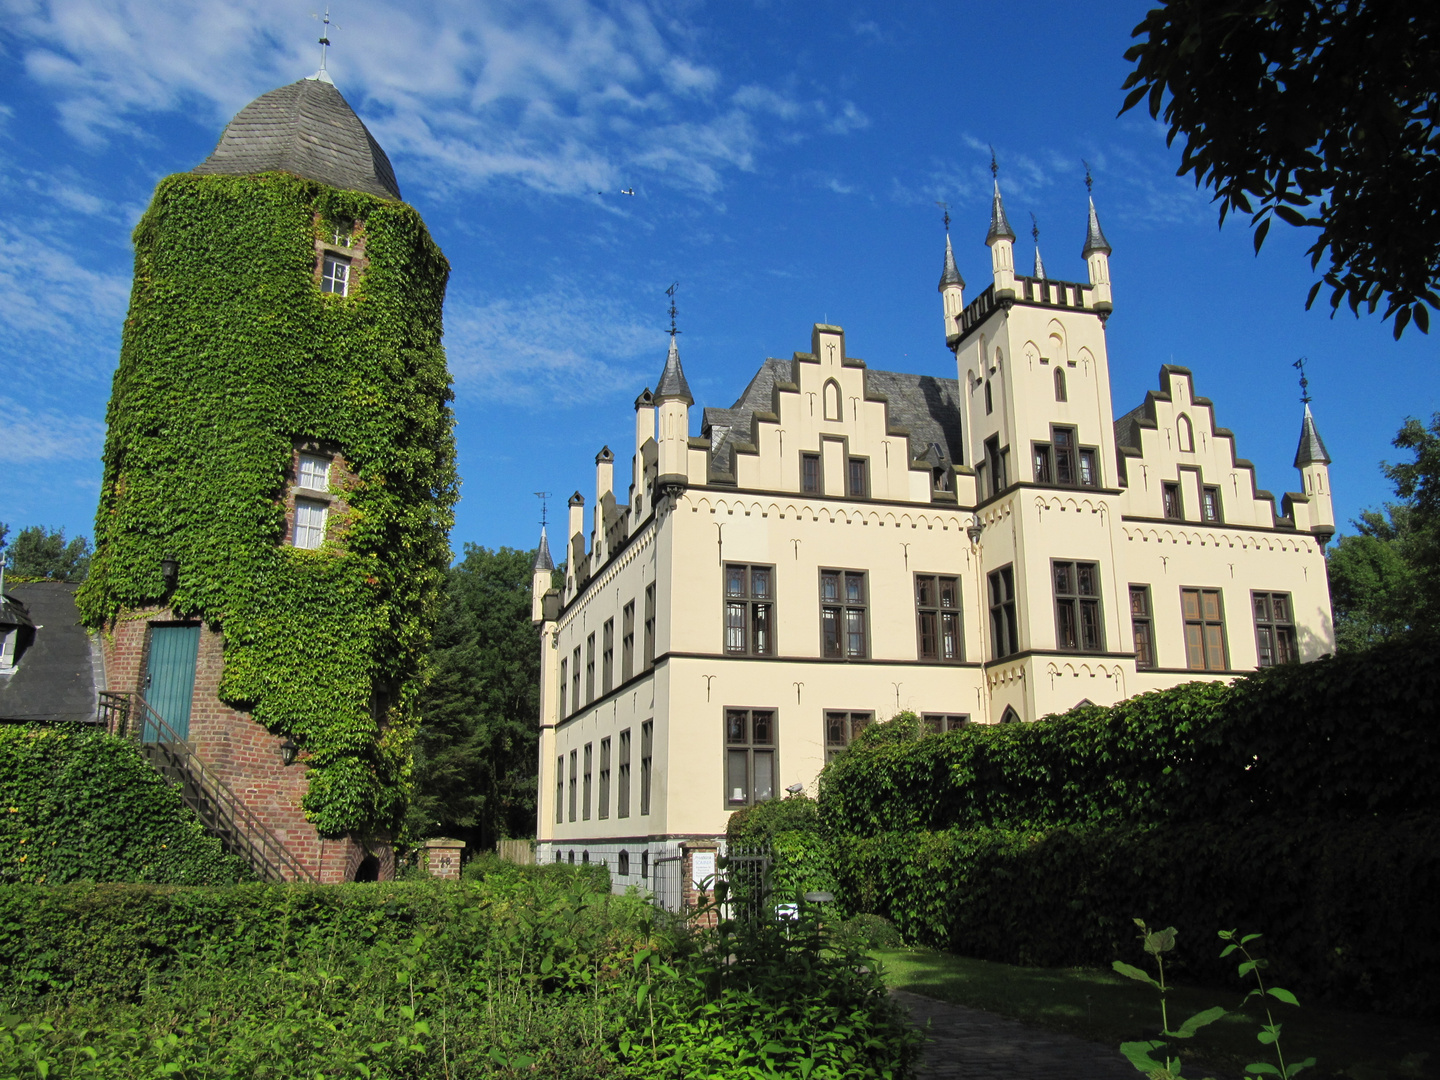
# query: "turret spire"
[[543, 561], [672, 382], [999, 224], [1312, 448], [1035, 234], [1094, 238], [322, 75], [951, 274]]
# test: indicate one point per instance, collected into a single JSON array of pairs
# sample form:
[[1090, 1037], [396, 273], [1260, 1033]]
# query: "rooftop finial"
[[322, 75], [994, 168], [945, 206], [544, 508], [1035, 235], [1089, 183], [999, 225], [1299, 366], [670, 292]]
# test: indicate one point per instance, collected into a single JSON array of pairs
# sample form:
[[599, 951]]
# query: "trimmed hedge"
[[77, 804], [1343, 905], [1351, 735]]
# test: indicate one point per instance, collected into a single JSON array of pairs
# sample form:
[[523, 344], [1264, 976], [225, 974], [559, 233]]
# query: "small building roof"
[[55, 677], [309, 129]]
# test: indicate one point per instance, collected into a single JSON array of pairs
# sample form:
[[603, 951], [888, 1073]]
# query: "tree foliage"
[[1385, 579], [475, 755], [38, 554], [1322, 113]]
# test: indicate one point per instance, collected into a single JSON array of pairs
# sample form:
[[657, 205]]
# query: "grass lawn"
[[1106, 1008]]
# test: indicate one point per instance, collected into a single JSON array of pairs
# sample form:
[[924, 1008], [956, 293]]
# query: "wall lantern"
[[289, 751], [170, 572], [974, 529], [795, 789]]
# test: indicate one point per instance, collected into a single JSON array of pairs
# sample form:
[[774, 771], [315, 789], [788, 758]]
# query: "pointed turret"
[[1035, 235], [540, 578], [1313, 461], [1096, 253], [1001, 241], [952, 290], [672, 383], [1312, 448], [1094, 238], [672, 395]]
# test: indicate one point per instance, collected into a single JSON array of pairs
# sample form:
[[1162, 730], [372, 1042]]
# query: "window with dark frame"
[[622, 794], [841, 728], [749, 756], [858, 478], [1060, 384], [649, 626], [995, 465], [939, 723], [335, 275], [589, 773], [603, 810], [1063, 461], [622, 864], [1004, 628], [560, 789], [810, 474], [607, 656], [647, 746], [1044, 473], [749, 610], [843, 610], [645, 866], [627, 642], [937, 615], [1204, 629], [564, 684], [1077, 606], [1170, 497], [575, 702], [589, 669], [1140, 617], [989, 401], [1210, 503], [574, 781], [1274, 629]]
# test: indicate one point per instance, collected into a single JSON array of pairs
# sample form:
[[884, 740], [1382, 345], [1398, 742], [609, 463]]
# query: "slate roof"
[[1127, 427], [999, 224], [950, 275], [309, 129], [1312, 448], [1094, 238], [55, 675], [672, 382], [926, 407], [543, 561]]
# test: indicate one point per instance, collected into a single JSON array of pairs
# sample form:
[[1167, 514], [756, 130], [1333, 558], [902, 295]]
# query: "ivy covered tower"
[[279, 478]]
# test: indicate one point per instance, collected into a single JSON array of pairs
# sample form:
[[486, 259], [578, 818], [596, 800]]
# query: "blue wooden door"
[[170, 677]]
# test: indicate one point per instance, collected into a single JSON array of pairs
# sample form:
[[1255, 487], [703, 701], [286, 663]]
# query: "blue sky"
[[786, 159]]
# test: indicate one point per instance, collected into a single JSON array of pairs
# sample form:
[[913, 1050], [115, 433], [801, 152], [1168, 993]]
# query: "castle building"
[[279, 475], [843, 543]]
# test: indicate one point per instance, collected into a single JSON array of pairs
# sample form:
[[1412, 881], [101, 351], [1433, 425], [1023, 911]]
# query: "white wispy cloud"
[[29, 436], [46, 290]]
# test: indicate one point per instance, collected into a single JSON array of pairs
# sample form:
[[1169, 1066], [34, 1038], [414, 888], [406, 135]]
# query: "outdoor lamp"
[[170, 571], [795, 789], [974, 529], [289, 751]]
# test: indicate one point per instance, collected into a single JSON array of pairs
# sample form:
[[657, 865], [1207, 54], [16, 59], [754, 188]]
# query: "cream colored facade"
[[1065, 537]]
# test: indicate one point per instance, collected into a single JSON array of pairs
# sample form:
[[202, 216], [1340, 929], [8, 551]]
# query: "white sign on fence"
[[702, 869]]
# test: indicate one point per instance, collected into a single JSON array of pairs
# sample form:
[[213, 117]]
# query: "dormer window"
[[335, 277], [314, 472]]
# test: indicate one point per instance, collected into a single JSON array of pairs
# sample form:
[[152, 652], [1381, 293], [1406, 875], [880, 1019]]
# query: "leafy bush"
[[488, 866], [1343, 902], [78, 804], [1348, 736], [755, 825]]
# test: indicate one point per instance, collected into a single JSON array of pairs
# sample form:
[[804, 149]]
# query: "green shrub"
[[755, 825], [488, 866], [77, 804], [1344, 903]]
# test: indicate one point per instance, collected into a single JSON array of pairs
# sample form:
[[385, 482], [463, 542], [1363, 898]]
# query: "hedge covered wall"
[[232, 357], [79, 805]]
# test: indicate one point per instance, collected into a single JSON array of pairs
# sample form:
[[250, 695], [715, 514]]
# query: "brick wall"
[[242, 753], [692, 897]]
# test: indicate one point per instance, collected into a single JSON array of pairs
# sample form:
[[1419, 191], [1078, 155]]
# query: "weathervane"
[[946, 207], [324, 37], [670, 292], [1299, 366], [1089, 183], [994, 168], [544, 509], [1034, 228]]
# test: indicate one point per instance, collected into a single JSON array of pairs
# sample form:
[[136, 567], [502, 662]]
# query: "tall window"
[[309, 523], [604, 808], [559, 790], [749, 610], [1060, 384], [810, 474], [645, 866], [1004, 630], [627, 641], [1210, 503], [607, 656], [647, 756], [575, 702], [938, 723], [1077, 606], [1274, 628], [314, 472], [589, 772], [831, 394], [1044, 469], [649, 626], [1140, 621], [1170, 497], [842, 614], [335, 277], [1065, 470], [937, 612], [622, 796], [622, 864], [574, 781], [995, 465], [858, 478], [841, 728], [1204, 629], [564, 667], [1185, 433], [589, 669], [989, 401], [749, 756]]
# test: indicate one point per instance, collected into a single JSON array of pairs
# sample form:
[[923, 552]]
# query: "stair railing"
[[226, 815]]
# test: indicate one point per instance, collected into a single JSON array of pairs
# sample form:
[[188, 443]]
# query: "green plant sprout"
[[1269, 1034], [1140, 1054]]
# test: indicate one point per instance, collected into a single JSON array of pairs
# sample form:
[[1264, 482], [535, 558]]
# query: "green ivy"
[[78, 804], [230, 355]]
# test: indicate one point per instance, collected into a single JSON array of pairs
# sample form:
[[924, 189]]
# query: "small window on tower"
[[314, 472], [309, 523], [335, 278]]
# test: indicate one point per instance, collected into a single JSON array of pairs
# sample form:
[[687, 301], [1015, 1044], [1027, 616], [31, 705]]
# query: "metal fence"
[[747, 870]]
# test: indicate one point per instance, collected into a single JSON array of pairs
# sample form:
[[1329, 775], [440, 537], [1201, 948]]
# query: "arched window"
[[989, 401], [832, 400], [1060, 385], [1186, 434], [623, 866], [1010, 716]]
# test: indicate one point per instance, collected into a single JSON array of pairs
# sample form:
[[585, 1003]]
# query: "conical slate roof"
[[999, 224], [543, 561], [1039, 264], [951, 274], [1312, 447], [1094, 238], [309, 129], [672, 380]]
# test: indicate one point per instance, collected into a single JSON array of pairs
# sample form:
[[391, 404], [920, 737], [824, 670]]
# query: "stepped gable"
[[309, 129]]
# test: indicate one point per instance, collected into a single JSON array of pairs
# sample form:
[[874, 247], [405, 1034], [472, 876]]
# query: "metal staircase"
[[223, 813]]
